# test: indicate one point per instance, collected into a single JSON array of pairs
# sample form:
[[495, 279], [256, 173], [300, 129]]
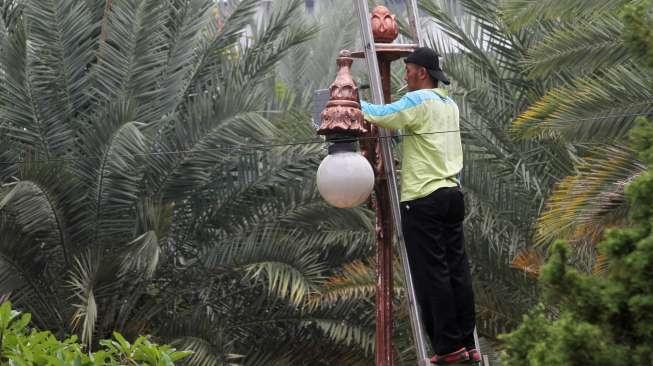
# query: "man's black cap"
[[428, 58]]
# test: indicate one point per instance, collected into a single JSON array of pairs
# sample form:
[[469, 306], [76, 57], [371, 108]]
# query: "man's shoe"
[[474, 355], [459, 356]]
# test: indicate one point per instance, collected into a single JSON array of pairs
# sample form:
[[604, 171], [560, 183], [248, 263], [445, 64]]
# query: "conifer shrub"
[[589, 319]]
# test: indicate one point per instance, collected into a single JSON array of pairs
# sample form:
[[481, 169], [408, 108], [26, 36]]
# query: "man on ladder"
[[432, 206]]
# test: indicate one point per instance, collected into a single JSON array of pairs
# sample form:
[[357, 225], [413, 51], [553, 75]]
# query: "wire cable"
[[270, 146]]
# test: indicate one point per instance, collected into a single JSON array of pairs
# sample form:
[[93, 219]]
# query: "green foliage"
[[587, 66], [521, 12], [589, 57], [23, 345], [638, 32], [146, 183], [567, 341], [598, 320], [642, 138]]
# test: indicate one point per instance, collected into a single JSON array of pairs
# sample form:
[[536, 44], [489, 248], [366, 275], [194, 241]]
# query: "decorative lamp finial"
[[342, 115], [384, 25]]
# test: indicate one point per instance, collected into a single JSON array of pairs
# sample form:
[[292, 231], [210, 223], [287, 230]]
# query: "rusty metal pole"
[[384, 238], [384, 30]]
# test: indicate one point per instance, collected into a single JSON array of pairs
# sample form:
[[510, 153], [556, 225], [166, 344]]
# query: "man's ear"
[[423, 74]]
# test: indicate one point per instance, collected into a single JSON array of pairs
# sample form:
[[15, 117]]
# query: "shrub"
[[23, 345], [587, 319]]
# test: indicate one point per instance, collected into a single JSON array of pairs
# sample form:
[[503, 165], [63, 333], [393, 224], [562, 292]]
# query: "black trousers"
[[433, 231]]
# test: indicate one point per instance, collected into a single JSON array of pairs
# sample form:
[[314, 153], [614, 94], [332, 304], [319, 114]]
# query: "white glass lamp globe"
[[345, 179]]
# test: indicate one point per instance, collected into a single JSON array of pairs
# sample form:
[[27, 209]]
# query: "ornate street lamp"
[[345, 178], [342, 123]]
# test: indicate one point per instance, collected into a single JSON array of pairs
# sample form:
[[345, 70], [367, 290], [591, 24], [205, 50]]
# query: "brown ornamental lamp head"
[[384, 25], [344, 178], [342, 117]]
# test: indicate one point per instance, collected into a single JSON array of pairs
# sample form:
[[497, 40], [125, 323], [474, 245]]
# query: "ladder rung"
[[400, 49]]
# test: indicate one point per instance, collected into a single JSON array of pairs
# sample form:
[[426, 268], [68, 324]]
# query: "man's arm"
[[397, 115]]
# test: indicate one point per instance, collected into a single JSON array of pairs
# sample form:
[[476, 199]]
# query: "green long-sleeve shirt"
[[432, 154]]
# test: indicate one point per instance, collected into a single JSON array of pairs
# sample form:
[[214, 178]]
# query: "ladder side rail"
[[386, 155], [413, 21]]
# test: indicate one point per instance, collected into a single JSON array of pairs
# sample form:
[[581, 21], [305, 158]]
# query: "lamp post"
[[342, 121]]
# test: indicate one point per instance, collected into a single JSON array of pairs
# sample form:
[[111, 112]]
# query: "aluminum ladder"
[[386, 154]]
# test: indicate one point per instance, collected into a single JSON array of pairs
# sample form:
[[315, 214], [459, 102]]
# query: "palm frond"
[[128, 65], [98, 8], [307, 348], [529, 261], [83, 284], [338, 30], [186, 33], [113, 176], [218, 47], [491, 33], [493, 239], [294, 208], [38, 216], [355, 281], [202, 330], [23, 275], [305, 209], [584, 204], [10, 12], [579, 48], [496, 225], [203, 140], [497, 310], [601, 265], [21, 121], [65, 194], [141, 255], [153, 215], [61, 42], [524, 12], [112, 172], [347, 334], [482, 60], [8, 158], [249, 185], [279, 35], [606, 109], [205, 352], [288, 266]]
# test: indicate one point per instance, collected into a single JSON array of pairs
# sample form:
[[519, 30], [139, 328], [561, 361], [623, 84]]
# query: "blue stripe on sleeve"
[[410, 100]]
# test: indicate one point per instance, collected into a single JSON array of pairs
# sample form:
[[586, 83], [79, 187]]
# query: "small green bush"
[[638, 30], [23, 345]]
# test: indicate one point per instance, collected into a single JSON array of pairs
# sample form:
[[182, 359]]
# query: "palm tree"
[[150, 187], [596, 90]]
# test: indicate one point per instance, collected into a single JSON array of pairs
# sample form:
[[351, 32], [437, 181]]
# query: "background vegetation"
[[157, 167]]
